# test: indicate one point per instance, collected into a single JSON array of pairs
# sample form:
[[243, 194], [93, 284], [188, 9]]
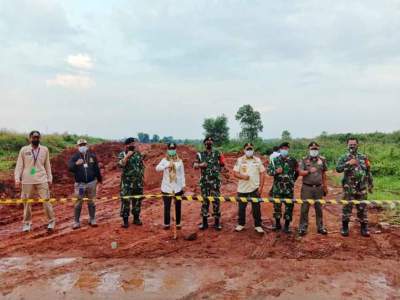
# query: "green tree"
[[218, 129], [250, 121], [143, 137], [155, 138], [286, 136]]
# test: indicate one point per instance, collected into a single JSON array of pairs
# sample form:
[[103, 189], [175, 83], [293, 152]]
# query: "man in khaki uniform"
[[33, 172], [250, 170], [313, 168]]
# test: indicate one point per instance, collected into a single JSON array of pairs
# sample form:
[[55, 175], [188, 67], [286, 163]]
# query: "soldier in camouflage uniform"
[[313, 169], [211, 163], [285, 171], [131, 163], [357, 181]]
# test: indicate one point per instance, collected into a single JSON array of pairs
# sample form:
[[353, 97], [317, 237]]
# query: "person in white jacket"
[[173, 183]]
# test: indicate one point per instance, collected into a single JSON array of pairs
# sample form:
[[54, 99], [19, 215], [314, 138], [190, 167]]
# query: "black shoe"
[[204, 224], [364, 230], [217, 224], [277, 226], [286, 229], [345, 229], [302, 232], [126, 223], [137, 221], [322, 231]]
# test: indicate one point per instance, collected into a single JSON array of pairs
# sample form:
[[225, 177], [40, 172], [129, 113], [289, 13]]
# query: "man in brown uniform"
[[313, 169], [33, 172]]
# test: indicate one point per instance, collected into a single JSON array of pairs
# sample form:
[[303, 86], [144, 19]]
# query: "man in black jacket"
[[87, 174]]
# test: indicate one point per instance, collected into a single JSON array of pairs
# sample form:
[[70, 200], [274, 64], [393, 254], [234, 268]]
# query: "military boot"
[[345, 228], [364, 229], [204, 224]]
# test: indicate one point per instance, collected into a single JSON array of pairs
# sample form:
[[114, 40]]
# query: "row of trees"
[[249, 119]]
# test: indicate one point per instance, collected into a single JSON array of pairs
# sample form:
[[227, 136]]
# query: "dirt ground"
[[149, 264]]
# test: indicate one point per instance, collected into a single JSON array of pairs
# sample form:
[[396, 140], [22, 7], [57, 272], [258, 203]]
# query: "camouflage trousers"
[[288, 215], [208, 192], [316, 193], [126, 204], [362, 213]]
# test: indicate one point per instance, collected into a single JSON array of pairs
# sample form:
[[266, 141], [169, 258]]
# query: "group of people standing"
[[33, 172]]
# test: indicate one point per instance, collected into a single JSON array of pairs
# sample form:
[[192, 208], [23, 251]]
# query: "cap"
[[81, 142], [171, 146], [284, 145], [248, 145], [313, 145], [34, 133], [130, 140]]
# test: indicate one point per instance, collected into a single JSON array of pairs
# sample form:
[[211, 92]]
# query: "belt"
[[312, 185]]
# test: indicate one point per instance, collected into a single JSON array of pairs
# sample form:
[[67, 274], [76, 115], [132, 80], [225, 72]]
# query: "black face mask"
[[35, 142], [131, 148]]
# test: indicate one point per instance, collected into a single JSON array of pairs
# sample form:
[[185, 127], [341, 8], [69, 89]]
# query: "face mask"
[[314, 153], [171, 152], [35, 143], [249, 153], [83, 149], [353, 149], [131, 148], [208, 146], [284, 153]]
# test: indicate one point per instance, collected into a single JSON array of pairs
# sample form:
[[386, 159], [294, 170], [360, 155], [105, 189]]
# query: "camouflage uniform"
[[131, 183], [312, 188], [283, 186], [356, 181], [210, 182]]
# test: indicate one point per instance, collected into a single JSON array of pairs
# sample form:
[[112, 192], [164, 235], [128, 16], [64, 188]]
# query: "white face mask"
[[249, 153], [314, 153], [83, 149]]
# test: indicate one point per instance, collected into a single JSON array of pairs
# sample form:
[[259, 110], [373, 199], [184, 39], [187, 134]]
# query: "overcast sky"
[[114, 68]]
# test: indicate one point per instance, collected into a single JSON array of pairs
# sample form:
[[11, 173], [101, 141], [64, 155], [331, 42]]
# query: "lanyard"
[[35, 157]]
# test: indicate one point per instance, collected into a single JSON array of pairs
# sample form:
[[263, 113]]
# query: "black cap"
[[284, 144], [313, 145], [130, 140], [208, 138], [34, 132], [171, 146]]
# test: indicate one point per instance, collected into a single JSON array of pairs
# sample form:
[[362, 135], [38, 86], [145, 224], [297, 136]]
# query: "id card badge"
[[85, 165], [33, 171]]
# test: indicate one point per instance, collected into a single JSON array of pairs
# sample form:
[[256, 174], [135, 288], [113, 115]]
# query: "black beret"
[[130, 140], [284, 144]]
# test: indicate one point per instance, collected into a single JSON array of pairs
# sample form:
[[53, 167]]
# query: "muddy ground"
[[149, 264]]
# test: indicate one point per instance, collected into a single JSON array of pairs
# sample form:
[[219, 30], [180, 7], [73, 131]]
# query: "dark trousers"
[[255, 207], [167, 209]]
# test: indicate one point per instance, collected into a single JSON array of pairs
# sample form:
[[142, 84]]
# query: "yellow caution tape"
[[202, 199]]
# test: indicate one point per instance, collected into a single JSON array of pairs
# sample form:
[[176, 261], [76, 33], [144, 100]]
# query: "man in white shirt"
[[173, 183], [33, 175], [250, 170]]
